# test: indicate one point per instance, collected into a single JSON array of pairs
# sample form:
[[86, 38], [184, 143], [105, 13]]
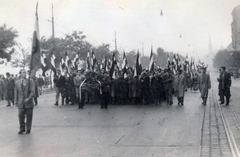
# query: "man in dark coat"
[[9, 84], [168, 77], [224, 85], [204, 85], [60, 82], [104, 91], [24, 92]]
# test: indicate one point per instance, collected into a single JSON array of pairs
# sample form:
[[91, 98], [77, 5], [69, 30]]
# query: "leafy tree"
[[223, 58], [7, 42]]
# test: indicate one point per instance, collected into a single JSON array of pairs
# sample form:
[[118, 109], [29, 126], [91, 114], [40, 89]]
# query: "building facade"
[[236, 28]]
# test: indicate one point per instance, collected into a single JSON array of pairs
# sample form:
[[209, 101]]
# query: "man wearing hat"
[[224, 85]]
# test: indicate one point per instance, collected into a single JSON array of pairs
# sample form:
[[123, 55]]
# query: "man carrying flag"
[[24, 88]]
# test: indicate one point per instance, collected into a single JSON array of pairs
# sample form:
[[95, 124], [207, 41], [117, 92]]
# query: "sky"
[[185, 26]]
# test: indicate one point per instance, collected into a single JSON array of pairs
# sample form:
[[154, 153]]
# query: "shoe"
[[170, 103], [227, 104], [178, 103], [28, 131], [56, 104], [222, 102], [8, 105], [21, 132], [36, 104]]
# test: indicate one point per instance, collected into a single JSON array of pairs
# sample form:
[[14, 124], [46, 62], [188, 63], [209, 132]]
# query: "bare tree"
[[21, 57]]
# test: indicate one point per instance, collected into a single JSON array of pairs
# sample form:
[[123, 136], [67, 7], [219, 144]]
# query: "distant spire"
[[210, 47]]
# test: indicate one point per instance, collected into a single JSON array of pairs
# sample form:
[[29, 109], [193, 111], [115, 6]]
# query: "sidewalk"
[[232, 111]]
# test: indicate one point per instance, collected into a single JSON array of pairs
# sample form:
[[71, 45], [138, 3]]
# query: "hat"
[[224, 68]]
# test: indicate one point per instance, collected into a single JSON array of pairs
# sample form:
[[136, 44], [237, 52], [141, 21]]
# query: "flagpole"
[[53, 36]]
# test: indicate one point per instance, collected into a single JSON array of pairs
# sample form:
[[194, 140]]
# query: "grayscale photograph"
[[119, 78]]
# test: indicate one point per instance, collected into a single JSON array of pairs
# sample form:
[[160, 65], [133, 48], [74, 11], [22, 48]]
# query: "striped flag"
[[43, 64], [53, 66], [124, 65], [35, 62], [138, 67], [151, 63], [112, 69]]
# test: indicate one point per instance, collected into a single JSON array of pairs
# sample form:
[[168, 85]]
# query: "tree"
[[21, 56], [7, 42], [223, 58]]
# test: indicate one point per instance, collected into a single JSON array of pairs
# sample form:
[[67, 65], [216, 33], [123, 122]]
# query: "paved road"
[[122, 130]]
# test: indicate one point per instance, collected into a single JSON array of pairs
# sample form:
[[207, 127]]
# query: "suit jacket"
[[23, 92], [60, 81]]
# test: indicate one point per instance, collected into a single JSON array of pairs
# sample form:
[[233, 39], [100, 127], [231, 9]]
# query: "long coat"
[[225, 84], [21, 93], [9, 84], [179, 85], [2, 88], [204, 84]]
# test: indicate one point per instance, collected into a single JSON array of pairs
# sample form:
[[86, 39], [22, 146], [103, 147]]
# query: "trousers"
[[28, 113]]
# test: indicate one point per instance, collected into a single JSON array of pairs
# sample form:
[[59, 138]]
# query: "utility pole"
[[53, 48], [52, 23], [115, 41], [142, 49]]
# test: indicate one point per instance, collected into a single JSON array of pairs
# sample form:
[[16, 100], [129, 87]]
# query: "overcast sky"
[[184, 27]]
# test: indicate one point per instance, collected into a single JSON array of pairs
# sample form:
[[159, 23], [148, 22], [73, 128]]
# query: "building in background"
[[236, 28]]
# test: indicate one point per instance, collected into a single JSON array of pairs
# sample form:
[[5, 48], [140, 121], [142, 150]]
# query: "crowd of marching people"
[[96, 87], [161, 85]]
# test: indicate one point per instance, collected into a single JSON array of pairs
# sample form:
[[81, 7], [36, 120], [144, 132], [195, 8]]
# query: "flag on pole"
[[112, 69], [53, 66], [43, 64], [151, 64], [35, 62], [138, 67], [124, 65]]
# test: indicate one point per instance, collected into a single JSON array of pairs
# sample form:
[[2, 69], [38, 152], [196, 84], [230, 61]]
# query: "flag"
[[138, 67], [151, 64], [124, 65], [88, 62], [53, 66], [93, 61], [35, 62], [112, 69], [43, 64]]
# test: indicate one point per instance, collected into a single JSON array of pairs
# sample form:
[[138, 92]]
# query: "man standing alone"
[[24, 91]]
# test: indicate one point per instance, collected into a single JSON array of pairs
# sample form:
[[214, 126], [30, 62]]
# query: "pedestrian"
[[9, 84], [36, 93], [204, 83], [104, 91], [41, 82], [2, 88], [180, 85], [224, 85], [60, 82], [24, 92], [155, 88], [168, 77], [78, 79]]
